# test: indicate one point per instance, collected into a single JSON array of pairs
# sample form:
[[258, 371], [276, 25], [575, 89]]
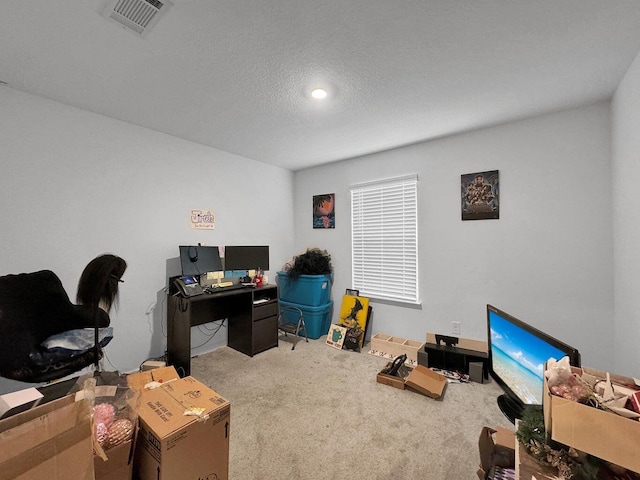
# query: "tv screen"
[[517, 354], [197, 260], [246, 257]]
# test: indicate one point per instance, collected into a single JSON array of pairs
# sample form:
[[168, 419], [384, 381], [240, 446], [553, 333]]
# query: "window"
[[384, 239]]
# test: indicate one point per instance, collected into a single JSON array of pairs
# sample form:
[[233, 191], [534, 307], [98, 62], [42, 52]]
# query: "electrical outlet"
[[455, 328]]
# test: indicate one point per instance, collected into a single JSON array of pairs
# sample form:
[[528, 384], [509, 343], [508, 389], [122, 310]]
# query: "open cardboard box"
[[119, 463], [419, 378], [497, 447], [139, 380], [51, 441], [184, 428], [116, 463], [600, 433]]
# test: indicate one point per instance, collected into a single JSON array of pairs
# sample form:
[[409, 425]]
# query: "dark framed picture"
[[480, 195], [324, 211]]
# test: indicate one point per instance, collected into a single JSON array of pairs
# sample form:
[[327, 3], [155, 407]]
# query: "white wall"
[[547, 260], [626, 180], [75, 185]]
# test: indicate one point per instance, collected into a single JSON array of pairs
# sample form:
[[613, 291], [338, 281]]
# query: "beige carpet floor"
[[318, 413]]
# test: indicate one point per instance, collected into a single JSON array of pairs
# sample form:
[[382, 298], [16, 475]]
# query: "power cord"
[[215, 331]]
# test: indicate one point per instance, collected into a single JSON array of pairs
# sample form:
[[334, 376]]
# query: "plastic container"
[[316, 319], [310, 290]]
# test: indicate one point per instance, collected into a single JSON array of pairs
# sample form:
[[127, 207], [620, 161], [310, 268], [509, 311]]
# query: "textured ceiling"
[[236, 75]]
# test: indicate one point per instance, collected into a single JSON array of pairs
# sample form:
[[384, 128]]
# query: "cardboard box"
[[395, 381], [600, 433], [112, 462], [161, 375], [427, 382], [119, 463], [421, 379], [529, 467], [116, 463], [391, 347], [16, 402], [51, 441], [183, 432], [497, 447]]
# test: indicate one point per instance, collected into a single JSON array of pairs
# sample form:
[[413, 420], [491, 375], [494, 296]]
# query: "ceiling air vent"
[[139, 16]]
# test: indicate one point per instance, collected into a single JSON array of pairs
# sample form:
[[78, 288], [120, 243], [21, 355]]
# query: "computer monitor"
[[197, 260], [517, 354], [246, 257]]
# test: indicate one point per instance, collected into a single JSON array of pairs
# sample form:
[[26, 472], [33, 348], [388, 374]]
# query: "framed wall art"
[[480, 195], [324, 211]]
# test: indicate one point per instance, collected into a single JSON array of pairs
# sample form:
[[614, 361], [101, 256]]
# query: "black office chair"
[[291, 322], [33, 307]]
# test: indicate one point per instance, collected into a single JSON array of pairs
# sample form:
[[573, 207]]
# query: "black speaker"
[[423, 358], [476, 372]]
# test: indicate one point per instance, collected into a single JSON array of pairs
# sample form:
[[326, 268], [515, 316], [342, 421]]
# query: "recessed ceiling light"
[[319, 93]]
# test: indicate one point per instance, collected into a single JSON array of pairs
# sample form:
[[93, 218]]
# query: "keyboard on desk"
[[224, 288]]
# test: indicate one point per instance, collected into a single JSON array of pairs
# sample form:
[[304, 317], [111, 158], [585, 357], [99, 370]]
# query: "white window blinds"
[[384, 239]]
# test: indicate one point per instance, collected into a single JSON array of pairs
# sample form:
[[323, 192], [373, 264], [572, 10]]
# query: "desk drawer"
[[265, 334], [265, 310]]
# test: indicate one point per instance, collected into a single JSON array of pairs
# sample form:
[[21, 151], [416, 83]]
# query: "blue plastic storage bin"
[[310, 290], [316, 319]]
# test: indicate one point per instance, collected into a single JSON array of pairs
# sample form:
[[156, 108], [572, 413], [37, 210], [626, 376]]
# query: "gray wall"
[[549, 258], [626, 214], [76, 185]]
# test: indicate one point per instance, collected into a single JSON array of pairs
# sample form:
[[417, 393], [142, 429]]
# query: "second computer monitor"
[[246, 257]]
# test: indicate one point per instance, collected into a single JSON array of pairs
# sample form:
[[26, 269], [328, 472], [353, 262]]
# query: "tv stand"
[[452, 357], [511, 408]]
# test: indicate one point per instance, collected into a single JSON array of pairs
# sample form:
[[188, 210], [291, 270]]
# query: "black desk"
[[252, 327]]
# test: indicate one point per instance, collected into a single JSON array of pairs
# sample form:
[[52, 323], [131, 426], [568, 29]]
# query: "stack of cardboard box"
[[183, 432]]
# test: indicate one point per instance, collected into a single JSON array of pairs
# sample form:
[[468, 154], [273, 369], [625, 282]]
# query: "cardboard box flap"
[[53, 419], [161, 375], [176, 404], [614, 377], [497, 447], [426, 381], [119, 464], [52, 441], [28, 415]]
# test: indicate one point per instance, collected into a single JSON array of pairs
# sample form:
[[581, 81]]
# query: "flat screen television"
[[517, 353], [246, 257], [197, 260]]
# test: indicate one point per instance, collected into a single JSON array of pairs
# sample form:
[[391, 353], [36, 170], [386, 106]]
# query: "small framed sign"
[[202, 219]]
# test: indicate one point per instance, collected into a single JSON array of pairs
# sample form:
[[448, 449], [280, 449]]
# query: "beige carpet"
[[318, 413]]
